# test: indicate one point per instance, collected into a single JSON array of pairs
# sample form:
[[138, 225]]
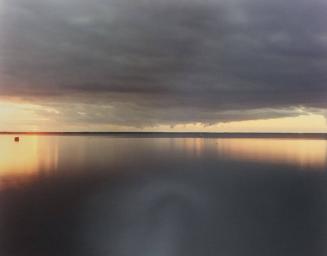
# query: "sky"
[[155, 65]]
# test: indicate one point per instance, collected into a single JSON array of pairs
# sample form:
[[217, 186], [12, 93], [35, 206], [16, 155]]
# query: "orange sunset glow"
[[163, 127], [36, 117]]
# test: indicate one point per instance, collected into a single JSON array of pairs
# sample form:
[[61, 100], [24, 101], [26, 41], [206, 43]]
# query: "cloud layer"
[[164, 62]]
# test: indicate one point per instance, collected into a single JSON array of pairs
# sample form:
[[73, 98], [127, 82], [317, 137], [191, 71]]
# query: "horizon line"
[[300, 135]]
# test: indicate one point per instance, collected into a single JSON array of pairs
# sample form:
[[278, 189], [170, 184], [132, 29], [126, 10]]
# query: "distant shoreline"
[[181, 134]]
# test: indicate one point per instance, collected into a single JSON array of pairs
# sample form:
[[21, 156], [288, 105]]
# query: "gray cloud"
[[148, 62]]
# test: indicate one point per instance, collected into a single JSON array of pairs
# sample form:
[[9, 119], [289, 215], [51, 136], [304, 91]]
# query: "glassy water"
[[102, 195], [37, 154]]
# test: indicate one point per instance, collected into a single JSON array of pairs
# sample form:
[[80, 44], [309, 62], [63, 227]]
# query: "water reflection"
[[301, 153], [35, 154], [162, 196], [18, 158], [30, 155]]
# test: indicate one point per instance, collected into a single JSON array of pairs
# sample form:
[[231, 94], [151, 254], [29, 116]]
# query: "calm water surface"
[[102, 195], [35, 155]]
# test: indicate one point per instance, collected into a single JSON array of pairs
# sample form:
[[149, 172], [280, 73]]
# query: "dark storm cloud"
[[168, 61]]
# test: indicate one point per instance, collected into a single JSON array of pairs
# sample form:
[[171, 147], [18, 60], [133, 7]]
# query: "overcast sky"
[[147, 63]]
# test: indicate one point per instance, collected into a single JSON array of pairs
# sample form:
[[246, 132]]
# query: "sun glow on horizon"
[[18, 116], [314, 123], [24, 116]]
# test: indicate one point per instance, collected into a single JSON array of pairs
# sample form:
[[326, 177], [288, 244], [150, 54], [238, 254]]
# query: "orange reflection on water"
[[194, 146], [20, 160], [299, 152], [35, 155]]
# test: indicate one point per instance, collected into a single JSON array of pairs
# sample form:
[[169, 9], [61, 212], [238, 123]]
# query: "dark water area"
[[99, 195]]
